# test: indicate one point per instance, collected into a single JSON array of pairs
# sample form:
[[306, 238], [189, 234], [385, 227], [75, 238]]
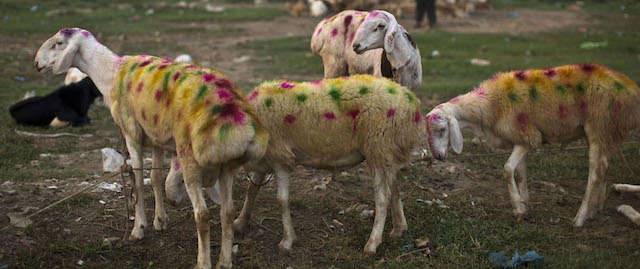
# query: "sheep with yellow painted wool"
[[526, 108]]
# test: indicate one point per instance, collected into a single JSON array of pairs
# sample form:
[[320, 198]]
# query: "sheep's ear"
[[389, 38], [65, 59], [455, 136]]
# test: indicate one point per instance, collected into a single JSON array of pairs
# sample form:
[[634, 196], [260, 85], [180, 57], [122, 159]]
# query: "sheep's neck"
[[401, 53], [469, 113], [99, 63]]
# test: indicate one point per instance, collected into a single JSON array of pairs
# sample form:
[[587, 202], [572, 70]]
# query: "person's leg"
[[420, 5], [431, 12]]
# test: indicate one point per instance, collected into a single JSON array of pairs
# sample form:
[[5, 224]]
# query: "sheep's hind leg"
[[521, 172], [381, 197], [161, 220], [193, 182], [397, 212], [241, 223], [592, 192], [226, 217], [140, 222], [288, 234], [630, 213], [517, 155]]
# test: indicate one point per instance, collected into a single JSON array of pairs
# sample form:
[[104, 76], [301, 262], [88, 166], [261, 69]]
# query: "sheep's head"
[[378, 30], [57, 53], [442, 128]]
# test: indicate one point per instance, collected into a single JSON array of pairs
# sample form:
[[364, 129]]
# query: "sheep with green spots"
[[526, 108], [335, 124], [197, 112]]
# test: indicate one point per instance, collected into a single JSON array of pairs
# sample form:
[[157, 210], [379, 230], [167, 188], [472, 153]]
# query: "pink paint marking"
[[176, 76], [144, 115], [223, 83], [144, 56], [523, 120], [334, 33], [433, 117], [317, 82], [176, 164], [479, 91], [354, 113], [223, 94], [129, 85], [562, 111], [454, 100], [207, 103], [617, 107], [162, 67], [158, 96], [390, 113], [520, 75], [231, 109], [68, 32], [145, 63], [140, 85], [290, 119], [583, 107], [329, 115], [86, 34], [587, 68], [495, 77], [167, 62], [319, 31], [550, 72], [286, 85], [438, 106], [168, 103], [179, 115], [208, 77], [351, 36], [347, 22], [417, 117], [155, 119], [252, 96], [190, 66]]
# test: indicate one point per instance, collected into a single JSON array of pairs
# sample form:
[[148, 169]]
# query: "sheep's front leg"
[[241, 223], [288, 234], [140, 222], [630, 213], [602, 187], [381, 198], [589, 201], [517, 155], [161, 220], [334, 67], [397, 212], [193, 182], [521, 171], [226, 218]]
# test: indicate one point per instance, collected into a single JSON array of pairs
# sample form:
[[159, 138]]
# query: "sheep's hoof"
[[239, 225], [133, 238], [160, 224], [285, 248], [223, 266], [396, 233], [369, 253]]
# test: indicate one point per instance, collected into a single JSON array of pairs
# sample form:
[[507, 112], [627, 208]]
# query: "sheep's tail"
[[317, 42], [258, 145]]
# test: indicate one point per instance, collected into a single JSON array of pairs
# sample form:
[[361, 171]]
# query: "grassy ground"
[[479, 219]]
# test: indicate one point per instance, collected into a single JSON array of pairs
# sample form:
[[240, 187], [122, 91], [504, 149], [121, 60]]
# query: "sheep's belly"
[[329, 162], [563, 137]]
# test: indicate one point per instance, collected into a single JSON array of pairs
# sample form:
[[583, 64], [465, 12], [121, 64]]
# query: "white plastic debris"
[[435, 53], [80, 262], [234, 249], [102, 202], [366, 213], [115, 186], [18, 221], [241, 59], [212, 8], [183, 58], [146, 181], [112, 161], [480, 62]]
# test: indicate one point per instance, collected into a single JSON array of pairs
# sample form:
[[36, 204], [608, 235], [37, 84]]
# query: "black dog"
[[68, 103]]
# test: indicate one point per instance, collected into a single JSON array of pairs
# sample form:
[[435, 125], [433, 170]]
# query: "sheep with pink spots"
[[356, 42], [334, 124]]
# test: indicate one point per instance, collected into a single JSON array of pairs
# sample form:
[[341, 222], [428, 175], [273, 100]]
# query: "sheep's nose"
[[35, 64], [356, 46]]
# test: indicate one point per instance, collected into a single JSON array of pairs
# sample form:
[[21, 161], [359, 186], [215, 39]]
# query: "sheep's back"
[[335, 117], [200, 108]]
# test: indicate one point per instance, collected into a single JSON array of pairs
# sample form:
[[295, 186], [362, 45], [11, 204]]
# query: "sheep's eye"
[[380, 27], [59, 43]]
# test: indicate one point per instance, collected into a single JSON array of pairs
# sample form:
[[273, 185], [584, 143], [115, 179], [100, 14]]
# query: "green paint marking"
[[151, 68], [580, 88], [335, 94], [513, 97], [121, 88], [165, 81], [181, 79], [363, 90], [392, 90], [133, 67], [268, 102], [224, 131], [533, 93], [201, 93], [561, 90], [301, 98], [410, 97], [216, 109], [618, 85], [255, 126], [611, 102]]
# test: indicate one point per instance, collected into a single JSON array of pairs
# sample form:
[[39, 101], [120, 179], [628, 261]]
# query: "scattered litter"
[[528, 53], [113, 139], [480, 62], [408, 246], [23, 133], [115, 186], [241, 59], [34, 8], [78, 219], [146, 181], [52, 187], [102, 202], [149, 12], [366, 213], [18, 221], [422, 241], [19, 78], [513, 15], [132, 218], [437, 202], [80, 262], [107, 242], [435, 53], [212, 8], [498, 258], [322, 184], [357, 207], [234, 249], [451, 169], [593, 45], [112, 161], [445, 195], [183, 58], [46, 155], [337, 223], [7, 183]]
